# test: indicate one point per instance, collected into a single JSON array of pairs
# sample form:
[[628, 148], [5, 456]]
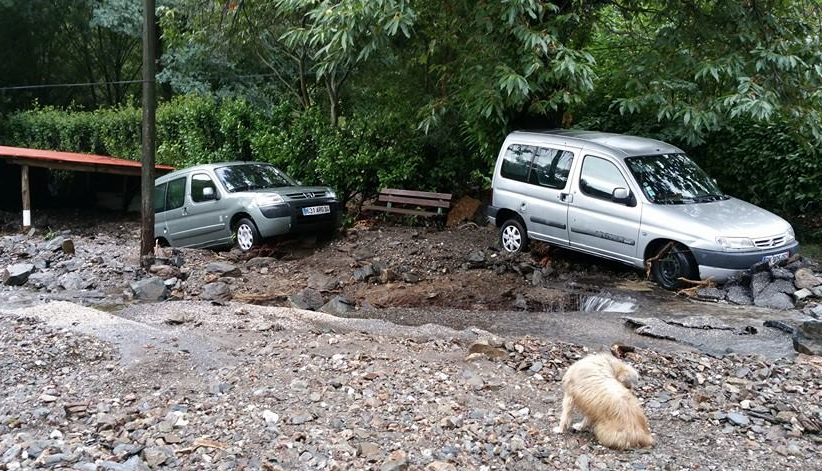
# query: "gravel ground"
[[274, 388]]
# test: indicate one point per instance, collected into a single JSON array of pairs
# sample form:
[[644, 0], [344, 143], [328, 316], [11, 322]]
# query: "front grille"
[[769, 242], [306, 195]]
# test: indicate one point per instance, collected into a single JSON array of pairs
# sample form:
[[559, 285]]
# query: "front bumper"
[[288, 218], [722, 265]]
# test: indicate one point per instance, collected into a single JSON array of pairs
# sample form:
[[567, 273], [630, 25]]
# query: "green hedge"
[[361, 155]]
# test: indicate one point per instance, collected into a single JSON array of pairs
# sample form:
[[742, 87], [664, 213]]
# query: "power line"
[[94, 84]]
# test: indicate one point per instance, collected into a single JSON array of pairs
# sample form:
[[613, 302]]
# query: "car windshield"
[[673, 179], [249, 177]]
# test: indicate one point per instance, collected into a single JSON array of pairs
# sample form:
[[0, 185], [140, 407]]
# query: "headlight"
[[790, 236], [268, 200], [735, 244], [329, 193]]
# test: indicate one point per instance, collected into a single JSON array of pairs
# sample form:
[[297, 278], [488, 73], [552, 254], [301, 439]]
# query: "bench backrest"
[[419, 198]]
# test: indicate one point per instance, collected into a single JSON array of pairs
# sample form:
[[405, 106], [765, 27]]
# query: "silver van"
[[629, 199], [244, 202]]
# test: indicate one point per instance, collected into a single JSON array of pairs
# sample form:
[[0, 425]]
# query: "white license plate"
[[313, 210], [776, 258]]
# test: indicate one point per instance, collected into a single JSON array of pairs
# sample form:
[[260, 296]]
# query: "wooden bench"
[[411, 202]]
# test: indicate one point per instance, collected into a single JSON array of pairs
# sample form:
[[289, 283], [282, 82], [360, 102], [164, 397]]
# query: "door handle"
[[566, 197], [185, 211]]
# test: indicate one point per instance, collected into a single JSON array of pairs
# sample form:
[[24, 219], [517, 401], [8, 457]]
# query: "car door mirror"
[[621, 196], [209, 194]]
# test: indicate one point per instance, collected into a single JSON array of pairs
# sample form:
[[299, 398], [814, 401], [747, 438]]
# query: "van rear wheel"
[[512, 236], [677, 263]]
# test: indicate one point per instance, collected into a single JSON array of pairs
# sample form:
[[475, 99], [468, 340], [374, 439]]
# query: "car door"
[[207, 223], [546, 195], [597, 223]]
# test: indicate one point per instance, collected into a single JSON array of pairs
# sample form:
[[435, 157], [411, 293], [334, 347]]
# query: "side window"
[[517, 162], [551, 168], [199, 181], [160, 198], [176, 194], [599, 178]]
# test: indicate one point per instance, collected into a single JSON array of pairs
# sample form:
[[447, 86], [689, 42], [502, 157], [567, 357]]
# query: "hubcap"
[[511, 239], [245, 237]]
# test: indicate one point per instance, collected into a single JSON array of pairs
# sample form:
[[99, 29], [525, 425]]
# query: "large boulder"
[[339, 305], [217, 291], [223, 269], [150, 289], [17, 274], [808, 338], [805, 279], [308, 298]]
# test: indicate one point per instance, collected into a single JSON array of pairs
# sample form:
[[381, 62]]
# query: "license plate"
[[776, 258], [313, 210]]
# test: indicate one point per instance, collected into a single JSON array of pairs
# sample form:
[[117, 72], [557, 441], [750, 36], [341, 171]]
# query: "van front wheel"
[[677, 263], [512, 236], [246, 234]]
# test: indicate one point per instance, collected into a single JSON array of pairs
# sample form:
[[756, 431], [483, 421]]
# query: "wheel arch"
[[506, 214]]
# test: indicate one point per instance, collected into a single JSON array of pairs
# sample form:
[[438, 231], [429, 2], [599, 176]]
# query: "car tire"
[[677, 263], [512, 236], [246, 235]]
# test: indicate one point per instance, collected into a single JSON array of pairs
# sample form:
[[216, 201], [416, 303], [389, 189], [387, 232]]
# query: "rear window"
[[541, 166], [517, 162]]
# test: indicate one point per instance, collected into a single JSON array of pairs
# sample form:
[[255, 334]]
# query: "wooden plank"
[[74, 167], [417, 201], [412, 212], [414, 193], [26, 194]]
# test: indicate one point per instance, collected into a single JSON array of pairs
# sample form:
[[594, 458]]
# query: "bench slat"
[[417, 194], [412, 212], [418, 201]]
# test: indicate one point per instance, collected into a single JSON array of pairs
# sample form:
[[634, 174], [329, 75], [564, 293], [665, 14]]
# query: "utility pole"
[[149, 131]]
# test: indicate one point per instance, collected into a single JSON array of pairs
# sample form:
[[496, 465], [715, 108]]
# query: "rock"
[[17, 274], [710, 294], [222, 269], [176, 318], [150, 289], [411, 277], [463, 210], [780, 273], [739, 419], [260, 262], [156, 456], [371, 452], [396, 461], [537, 278], [739, 295], [476, 259], [805, 279], [270, 417], [164, 271], [73, 282], [387, 275], [42, 279], [338, 305], [440, 466], [67, 247], [779, 301], [217, 291], [308, 298], [363, 273], [808, 338], [301, 418], [322, 282], [802, 294], [759, 282], [133, 464], [484, 348]]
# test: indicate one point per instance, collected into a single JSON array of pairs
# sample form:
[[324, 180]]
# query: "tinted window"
[[176, 194], [599, 178], [199, 181], [517, 162], [252, 177], [160, 198], [551, 168]]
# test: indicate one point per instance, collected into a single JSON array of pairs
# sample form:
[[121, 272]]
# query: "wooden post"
[[149, 131], [24, 185]]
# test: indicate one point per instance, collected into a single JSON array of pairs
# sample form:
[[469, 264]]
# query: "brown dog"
[[598, 386]]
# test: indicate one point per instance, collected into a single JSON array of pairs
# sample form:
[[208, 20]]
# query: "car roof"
[[618, 145], [211, 166]]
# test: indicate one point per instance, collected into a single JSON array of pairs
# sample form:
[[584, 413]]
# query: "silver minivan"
[[629, 199], [219, 204]]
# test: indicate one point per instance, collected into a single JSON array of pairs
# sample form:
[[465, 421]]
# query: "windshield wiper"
[[712, 197]]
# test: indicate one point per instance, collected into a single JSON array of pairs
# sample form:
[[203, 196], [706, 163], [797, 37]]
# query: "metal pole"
[[149, 131]]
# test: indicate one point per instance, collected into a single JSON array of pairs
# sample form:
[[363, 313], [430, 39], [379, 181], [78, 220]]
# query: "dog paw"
[[579, 426], [558, 430]]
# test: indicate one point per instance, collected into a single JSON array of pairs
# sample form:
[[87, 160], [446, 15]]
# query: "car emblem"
[[308, 195]]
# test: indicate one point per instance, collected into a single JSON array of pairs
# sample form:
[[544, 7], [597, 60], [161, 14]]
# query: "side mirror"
[[621, 196], [209, 194]]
